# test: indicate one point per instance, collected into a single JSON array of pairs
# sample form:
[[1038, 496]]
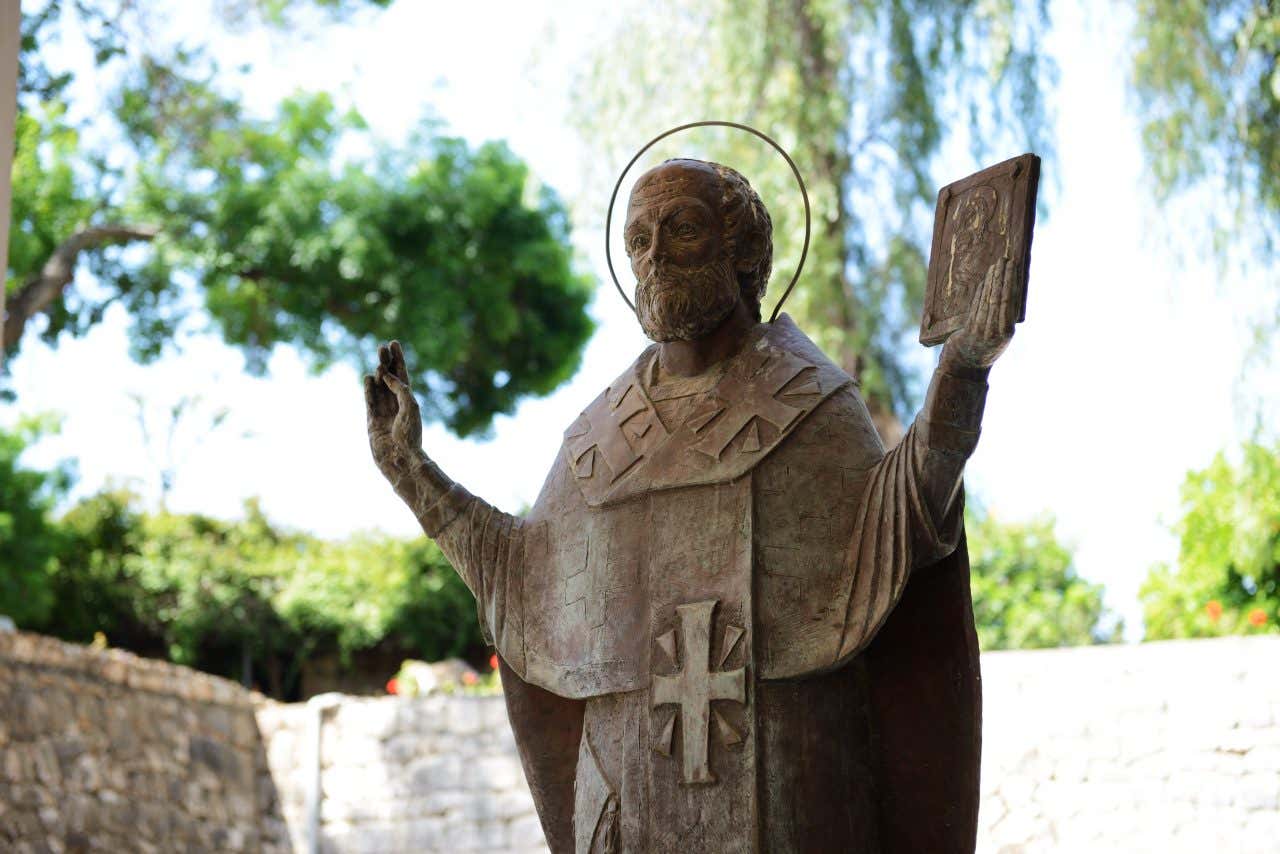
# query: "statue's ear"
[[748, 251]]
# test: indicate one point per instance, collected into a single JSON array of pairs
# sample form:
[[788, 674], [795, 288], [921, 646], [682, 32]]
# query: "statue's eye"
[[686, 230], [638, 242]]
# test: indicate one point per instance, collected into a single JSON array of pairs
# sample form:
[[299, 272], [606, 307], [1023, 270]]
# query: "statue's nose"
[[658, 248]]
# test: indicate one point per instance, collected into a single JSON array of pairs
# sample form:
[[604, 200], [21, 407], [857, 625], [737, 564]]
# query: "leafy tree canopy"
[[1026, 593], [1227, 577], [263, 225]]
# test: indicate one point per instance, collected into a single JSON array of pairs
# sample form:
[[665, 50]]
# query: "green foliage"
[[49, 200], [1208, 83], [211, 593], [1227, 578], [863, 95], [1026, 593], [29, 542], [454, 250], [301, 229], [90, 582]]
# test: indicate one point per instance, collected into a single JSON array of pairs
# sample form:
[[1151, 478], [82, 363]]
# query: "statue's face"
[[685, 281]]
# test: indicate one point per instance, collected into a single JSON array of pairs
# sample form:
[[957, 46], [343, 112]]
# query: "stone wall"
[[1172, 747], [105, 751], [427, 774]]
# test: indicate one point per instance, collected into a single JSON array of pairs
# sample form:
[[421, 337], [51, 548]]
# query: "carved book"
[[979, 220]]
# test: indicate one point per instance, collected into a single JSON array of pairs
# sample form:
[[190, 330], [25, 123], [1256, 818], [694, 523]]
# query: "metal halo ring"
[[608, 222]]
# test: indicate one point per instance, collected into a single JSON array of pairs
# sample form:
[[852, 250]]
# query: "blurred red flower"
[[1213, 609], [469, 678], [1257, 617], [393, 687], [493, 661]]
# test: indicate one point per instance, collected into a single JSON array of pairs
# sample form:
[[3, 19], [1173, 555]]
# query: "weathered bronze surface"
[[732, 620], [982, 222]]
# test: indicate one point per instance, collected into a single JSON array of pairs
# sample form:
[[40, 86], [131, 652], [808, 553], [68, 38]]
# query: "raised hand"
[[395, 423], [989, 328]]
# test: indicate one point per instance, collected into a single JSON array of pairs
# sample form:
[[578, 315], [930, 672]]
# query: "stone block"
[[404, 747], [475, 836], [370, 719], [1260, 791], [447, 803], [494, 772], [440, 773], [426, 834], [1264, 758], [526, 833], [468, 716]]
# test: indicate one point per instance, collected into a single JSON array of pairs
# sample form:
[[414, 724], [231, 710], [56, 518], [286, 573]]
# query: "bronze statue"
[[732, 621]]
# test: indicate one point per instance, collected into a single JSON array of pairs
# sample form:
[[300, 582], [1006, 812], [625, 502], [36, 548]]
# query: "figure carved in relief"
[[732, 621], [972, 251]]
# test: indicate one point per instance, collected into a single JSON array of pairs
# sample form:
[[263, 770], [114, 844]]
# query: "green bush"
[[29, 541], [1227, 577], [1026, 593], [223, 596]]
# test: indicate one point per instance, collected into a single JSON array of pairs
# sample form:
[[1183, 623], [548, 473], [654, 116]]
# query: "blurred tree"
[[1026, 594], [1227, 578], [864, 95], [1207, 79], [29, 541], [1208, 87], [281, 239]]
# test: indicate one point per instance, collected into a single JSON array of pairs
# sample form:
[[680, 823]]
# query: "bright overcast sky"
[[1124, 376]]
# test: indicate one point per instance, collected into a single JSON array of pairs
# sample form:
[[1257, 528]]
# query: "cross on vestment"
[[607, 437], [695, 687], [745, 405]]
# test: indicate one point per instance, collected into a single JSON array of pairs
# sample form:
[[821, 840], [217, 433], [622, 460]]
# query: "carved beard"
[[685, 306]]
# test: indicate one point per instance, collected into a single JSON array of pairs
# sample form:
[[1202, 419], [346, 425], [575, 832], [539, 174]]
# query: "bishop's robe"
[[731, 621]]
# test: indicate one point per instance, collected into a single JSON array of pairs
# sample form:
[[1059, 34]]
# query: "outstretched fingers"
[[398, 366], [376, 400], [401, 390], [995, 300], [1009, 307]]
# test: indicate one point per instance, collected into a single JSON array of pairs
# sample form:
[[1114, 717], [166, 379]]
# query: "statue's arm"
[[950, 423], [946, 433], [479, 540], [932, 456], [909, 511]]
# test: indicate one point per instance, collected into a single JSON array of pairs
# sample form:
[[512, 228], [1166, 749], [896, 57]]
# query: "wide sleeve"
[[484, 545], [894, 531]]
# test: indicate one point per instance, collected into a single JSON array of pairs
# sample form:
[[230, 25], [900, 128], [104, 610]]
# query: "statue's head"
[[699, 240]]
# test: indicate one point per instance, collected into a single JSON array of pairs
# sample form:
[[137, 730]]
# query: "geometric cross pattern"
[[695, 687]]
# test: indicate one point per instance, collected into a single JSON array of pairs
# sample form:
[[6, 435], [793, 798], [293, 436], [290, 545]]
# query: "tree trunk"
[[10, 29], [830, 158]]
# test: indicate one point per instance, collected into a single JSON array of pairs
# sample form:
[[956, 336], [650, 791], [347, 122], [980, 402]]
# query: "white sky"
[[1123, 377]]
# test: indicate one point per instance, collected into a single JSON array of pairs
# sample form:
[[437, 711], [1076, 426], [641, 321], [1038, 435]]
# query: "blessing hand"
[[395, 424]]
